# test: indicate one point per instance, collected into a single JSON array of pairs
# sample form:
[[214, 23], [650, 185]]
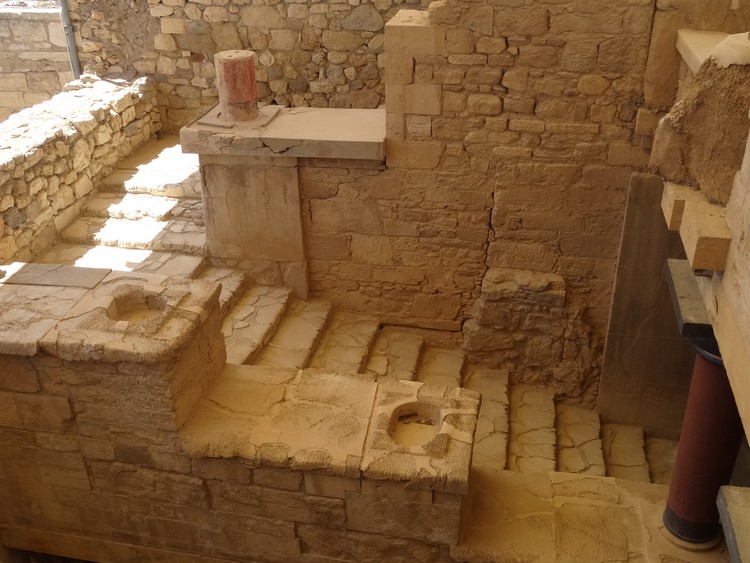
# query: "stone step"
[[124, 259], [579, 444], [346, 343], [624, 452], [137, 206], [395, 353], [233, 284], [157, 168], [180, 235], [532, 439], [297, 335], [251, 323], [491, 436], [661, 455], [441, 366]]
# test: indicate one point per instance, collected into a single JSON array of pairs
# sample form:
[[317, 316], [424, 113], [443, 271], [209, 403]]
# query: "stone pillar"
[[235, 80], [709, 442]]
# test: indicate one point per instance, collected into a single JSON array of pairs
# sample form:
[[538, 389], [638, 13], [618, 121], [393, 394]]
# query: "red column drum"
[[235, 80]]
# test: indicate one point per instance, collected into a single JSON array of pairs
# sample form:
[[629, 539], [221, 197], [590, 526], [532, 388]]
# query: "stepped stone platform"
[[548, 482]]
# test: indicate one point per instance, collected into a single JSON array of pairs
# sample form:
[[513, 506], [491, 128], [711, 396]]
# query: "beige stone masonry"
[[532, 442], [705, 235], [624, 452]]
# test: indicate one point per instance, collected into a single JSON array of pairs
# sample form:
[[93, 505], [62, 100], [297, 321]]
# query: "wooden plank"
[[673, 200]]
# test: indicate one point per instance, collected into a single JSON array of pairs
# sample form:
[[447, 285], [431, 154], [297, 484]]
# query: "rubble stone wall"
[[51, 155], [34, 63], [321, 54]]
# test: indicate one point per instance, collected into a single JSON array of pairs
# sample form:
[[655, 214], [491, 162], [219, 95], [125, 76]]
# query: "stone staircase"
[[543, 471]]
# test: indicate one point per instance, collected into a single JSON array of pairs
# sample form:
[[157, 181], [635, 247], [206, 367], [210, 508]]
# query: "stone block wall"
[[34, 63], [321, 54], [52, 154]]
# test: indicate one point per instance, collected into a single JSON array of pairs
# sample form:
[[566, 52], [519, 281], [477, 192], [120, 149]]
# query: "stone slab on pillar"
[[252, 208]]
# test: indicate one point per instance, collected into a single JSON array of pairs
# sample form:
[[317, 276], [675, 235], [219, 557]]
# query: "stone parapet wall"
[[51, 156], [34, 63]]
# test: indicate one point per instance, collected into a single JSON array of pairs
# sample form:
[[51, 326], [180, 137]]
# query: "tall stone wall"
[[34, 62], [322, 54], [510, 145], [51, 155]]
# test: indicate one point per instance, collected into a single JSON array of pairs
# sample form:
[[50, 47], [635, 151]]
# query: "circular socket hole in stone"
[[136, 306], [414, 424]]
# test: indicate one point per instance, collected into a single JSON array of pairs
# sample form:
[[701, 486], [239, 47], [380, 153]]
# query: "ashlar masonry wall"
[[510, 145], [34, 62], [52, 154]]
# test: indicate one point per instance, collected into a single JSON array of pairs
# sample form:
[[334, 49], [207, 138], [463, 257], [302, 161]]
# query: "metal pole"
[[75, 65]]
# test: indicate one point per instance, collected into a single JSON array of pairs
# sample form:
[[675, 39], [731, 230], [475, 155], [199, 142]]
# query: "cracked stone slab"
[[302, 419], [124, 259], [346, 343], [421, 434], [297, 335], [624, 452], [252, 321], [441, 366], [491, 437], [579, 445], [180, 235], [661, 455], [20, 273], [395, 354], [532, 438]]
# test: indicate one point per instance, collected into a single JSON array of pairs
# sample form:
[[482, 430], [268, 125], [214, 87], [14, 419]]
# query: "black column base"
[[691, 532]]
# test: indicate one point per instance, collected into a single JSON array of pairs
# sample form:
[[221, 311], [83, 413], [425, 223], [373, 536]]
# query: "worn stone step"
[[661, 455], [124, 259], [441, 366], [158, 168], [346, 343], [579, 444], [233, 284], [491, 437], [251, 323], [532, 439], [395, 353], [297, 335], [624, 452], [137, 206], [179, 235]]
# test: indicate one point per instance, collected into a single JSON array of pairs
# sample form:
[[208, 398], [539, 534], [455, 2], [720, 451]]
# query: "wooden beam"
[[673, 200], [705, 234]]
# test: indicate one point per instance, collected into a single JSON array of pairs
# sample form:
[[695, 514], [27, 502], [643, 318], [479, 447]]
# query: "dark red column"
[[710, 439], [235, 80]]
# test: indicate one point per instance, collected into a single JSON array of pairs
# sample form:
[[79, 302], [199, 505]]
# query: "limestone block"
[[278, 478], [410, 32], [705, 235], [436, 524], [18, 374], [432, 453], [523, 21], [485, 104], [400, 69], [413, 154], [324, 485]]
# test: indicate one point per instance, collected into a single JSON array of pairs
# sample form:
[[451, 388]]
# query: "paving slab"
[[346, 343], [532, 438], [661, 455], [136, 206], [441, 366], [395, 354], [233, 284], [297, 335], [251, 322], [491, 437], [624, 452], [579, 445]]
